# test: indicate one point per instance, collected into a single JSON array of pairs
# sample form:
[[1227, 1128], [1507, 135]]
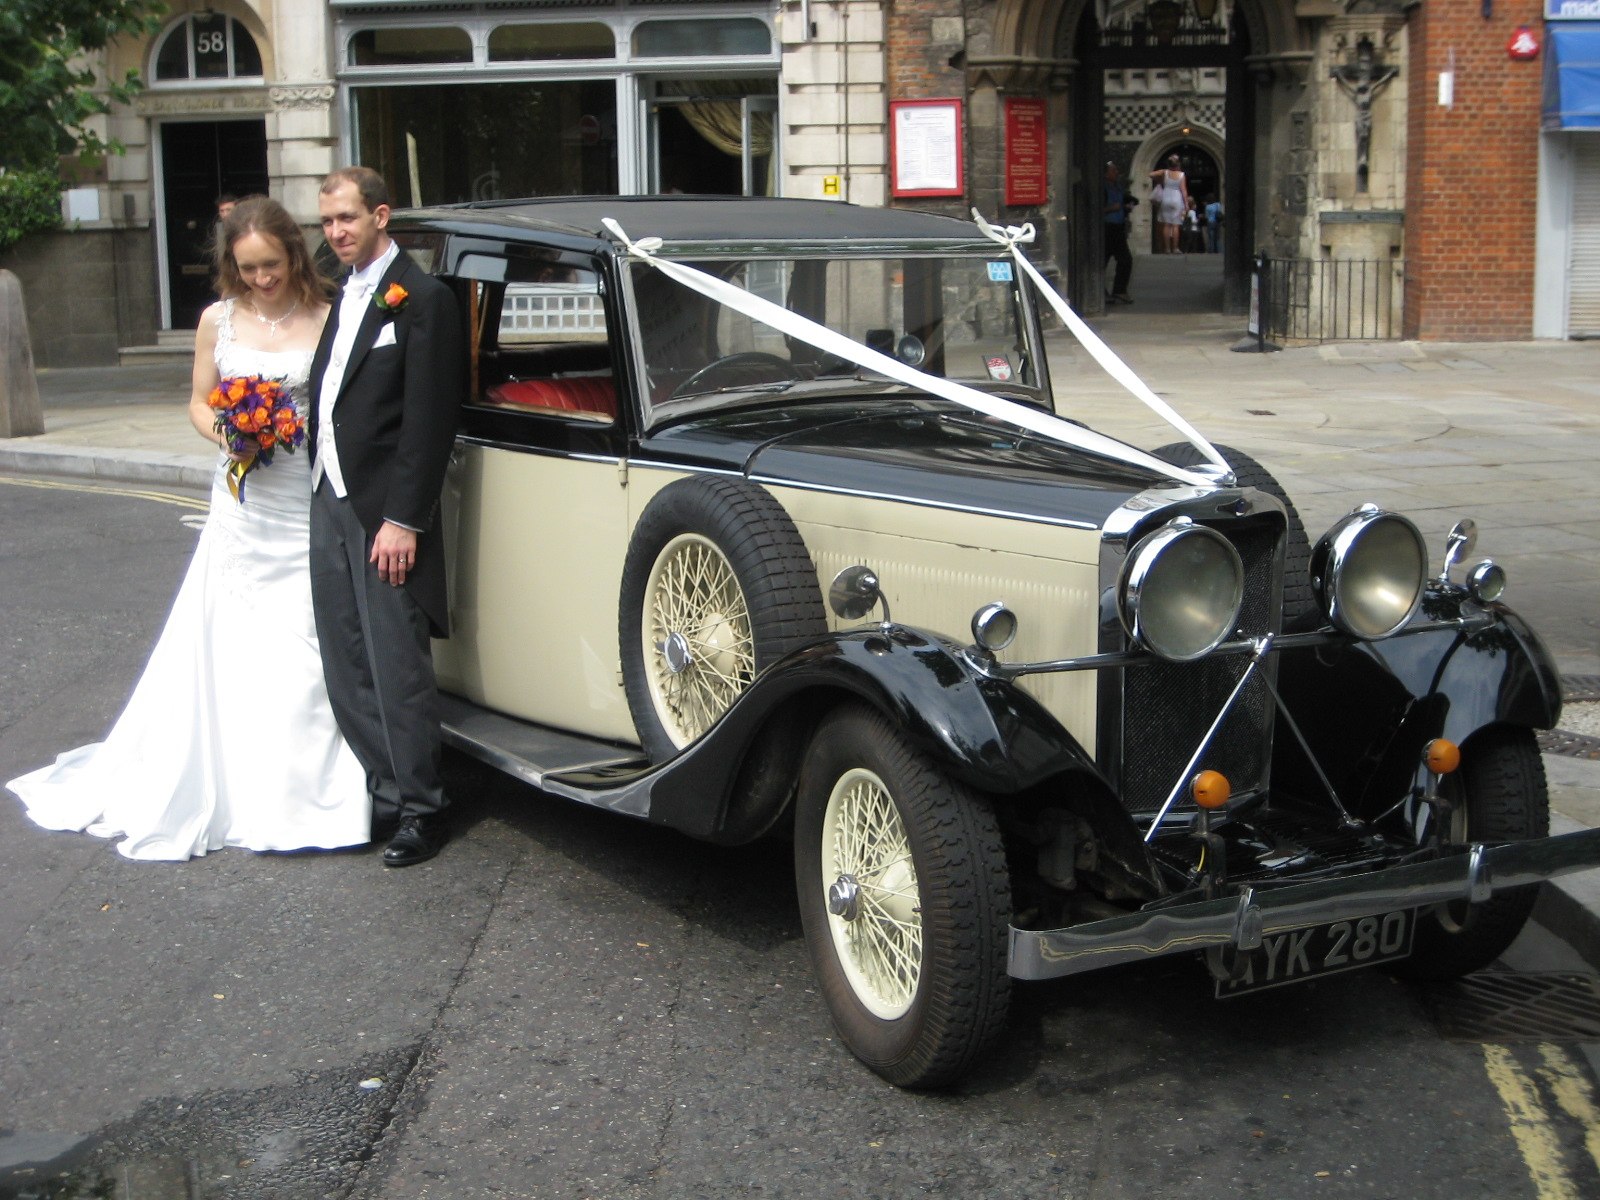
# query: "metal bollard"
[[20, 412]]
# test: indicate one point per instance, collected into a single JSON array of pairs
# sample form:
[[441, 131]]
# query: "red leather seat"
[[594, 394]]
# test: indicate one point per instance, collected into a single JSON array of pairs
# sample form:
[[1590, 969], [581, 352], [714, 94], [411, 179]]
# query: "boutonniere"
[[394, 299]]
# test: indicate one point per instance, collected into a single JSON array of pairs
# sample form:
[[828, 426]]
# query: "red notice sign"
[[1027, 146]]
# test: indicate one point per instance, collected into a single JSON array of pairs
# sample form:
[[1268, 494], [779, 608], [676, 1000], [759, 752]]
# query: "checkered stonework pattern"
[[1131, 120]]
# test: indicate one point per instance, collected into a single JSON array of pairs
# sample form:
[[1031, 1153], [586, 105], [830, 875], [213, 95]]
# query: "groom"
[[386, 385]]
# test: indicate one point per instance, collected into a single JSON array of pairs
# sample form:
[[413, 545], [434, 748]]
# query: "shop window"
[[450, 142], [547, 42], [410, 47], [207, 46], [693, 39]]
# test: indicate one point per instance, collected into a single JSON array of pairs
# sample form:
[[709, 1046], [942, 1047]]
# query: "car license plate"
[[1301, 954]]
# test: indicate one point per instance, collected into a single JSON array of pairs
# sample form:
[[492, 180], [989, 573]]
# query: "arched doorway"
[[1163, 41], [1201, 157]]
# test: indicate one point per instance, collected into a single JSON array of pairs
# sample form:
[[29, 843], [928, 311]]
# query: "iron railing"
[[1330, 300]]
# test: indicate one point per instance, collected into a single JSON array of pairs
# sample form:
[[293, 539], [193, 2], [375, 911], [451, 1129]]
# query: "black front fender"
[[986, 733], [1368, 708]]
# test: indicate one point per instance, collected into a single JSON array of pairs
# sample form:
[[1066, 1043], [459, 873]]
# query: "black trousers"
[[378, 662], [1117, 248]]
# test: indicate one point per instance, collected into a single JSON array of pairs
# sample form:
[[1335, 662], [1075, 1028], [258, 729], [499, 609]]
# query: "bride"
[[228, 739]]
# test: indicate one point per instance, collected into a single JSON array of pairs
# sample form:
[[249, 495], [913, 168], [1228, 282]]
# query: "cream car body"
[[765, 516]]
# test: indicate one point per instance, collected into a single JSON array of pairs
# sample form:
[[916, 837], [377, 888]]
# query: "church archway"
[[1262, 45]]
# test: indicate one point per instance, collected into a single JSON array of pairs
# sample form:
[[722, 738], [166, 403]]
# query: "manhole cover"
[[1510, 1006]]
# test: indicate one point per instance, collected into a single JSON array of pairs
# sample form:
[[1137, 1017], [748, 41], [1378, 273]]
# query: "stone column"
[[20, 414]]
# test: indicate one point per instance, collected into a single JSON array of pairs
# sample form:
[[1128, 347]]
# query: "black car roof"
[[713, 220]]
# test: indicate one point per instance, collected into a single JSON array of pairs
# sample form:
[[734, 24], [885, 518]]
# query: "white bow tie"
[[355, 285]]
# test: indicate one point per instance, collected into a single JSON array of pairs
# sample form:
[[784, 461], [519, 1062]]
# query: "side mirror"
[[1458, 543]]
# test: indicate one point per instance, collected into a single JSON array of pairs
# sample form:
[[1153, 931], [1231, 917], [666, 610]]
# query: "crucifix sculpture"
[[1362, 80]]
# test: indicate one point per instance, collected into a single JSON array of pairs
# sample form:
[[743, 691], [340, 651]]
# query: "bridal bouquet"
[[256, 417]]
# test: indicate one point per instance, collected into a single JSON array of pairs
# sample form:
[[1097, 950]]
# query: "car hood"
[[920, 451]]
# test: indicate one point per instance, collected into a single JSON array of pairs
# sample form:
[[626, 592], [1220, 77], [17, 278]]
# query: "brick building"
[[1322, 125], [1338, 146]]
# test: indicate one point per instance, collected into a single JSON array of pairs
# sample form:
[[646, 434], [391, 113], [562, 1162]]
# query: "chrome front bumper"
[[1243, 920]]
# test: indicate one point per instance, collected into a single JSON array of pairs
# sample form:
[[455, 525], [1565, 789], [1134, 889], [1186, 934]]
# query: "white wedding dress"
[[228, 739]]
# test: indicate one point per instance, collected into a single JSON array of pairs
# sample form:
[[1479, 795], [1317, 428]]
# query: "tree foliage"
[[47, 78], [30, 202]]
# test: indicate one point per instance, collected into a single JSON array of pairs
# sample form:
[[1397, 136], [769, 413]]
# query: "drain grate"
[[1512, 1006], [1581, 687], [1582, 690], [1572, 745]]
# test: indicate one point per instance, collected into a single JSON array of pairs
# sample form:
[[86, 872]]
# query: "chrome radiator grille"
[[1167, 707]]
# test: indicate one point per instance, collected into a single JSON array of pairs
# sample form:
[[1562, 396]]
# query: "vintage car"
[[765, 518]]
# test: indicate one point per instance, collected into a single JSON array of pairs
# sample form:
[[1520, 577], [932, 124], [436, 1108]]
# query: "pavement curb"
[[122, 465]]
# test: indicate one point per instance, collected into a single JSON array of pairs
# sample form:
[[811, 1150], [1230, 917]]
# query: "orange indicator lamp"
[[1211, 789], [1441, 756]]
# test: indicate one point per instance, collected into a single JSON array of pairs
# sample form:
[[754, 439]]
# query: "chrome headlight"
[[1180, 591], [1368, 572], [994, 627], [1486, 582]]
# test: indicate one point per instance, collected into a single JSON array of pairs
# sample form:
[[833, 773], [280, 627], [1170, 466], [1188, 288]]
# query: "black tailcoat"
[[395, 419]]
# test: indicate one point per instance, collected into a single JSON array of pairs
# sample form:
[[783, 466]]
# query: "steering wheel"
[[742, 367]]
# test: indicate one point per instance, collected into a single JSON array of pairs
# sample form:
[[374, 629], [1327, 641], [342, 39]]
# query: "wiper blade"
[[782, 385]]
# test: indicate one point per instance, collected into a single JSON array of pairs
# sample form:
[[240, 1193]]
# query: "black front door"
[[200, 160]]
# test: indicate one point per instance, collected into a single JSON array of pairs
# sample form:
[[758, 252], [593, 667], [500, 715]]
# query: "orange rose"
[[217, 399], [394, 298], [267, 438], [236, 390]]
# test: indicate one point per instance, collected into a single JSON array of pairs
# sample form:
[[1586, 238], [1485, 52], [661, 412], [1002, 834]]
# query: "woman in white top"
[[1174, 203]]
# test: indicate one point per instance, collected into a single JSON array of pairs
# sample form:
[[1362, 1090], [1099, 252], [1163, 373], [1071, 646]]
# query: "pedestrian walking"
[[1171, 196]]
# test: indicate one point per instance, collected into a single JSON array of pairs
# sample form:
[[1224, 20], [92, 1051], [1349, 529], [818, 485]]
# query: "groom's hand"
[[394, 552]]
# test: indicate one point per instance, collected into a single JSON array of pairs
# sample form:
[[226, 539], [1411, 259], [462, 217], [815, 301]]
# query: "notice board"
[[925, 148], [1027, 152]]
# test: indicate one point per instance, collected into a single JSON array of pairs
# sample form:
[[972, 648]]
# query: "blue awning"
[[1572, 75]]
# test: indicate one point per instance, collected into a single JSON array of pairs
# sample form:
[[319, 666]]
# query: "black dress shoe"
[[417, 840]]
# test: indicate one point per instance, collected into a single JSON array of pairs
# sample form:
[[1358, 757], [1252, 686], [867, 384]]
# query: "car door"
[[535, 503]]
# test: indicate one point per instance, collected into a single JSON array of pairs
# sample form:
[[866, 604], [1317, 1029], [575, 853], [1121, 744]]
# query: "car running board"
[[537, 754]]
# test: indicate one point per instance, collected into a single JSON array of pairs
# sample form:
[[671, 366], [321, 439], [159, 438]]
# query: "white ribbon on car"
[[1011, 237], [827, 340]]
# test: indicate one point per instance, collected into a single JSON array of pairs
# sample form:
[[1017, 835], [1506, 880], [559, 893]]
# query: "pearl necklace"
[[272, 325]]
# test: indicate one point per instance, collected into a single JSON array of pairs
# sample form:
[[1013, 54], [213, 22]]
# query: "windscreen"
[[961, 318]]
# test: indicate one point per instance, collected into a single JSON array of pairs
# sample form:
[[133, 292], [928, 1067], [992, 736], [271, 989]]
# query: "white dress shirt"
[[358, 290]]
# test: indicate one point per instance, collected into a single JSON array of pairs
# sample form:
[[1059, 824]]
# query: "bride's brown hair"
[[264, 215]]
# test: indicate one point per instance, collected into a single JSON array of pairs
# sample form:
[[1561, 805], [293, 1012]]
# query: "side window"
[[544, 349]]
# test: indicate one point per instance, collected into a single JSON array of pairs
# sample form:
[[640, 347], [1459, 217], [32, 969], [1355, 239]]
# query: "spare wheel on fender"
[[717, 585]]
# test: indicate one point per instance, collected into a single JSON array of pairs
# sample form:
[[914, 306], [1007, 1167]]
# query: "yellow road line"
[[105, 490], [1570, 1086], [1530, 1126]]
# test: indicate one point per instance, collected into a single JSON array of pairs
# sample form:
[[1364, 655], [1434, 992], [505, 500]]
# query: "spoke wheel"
[[874, 908], [1501, 796], [905, 900], [698, 647], [717, 586]]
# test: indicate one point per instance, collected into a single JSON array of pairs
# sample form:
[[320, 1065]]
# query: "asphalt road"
[[568, 1004]]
